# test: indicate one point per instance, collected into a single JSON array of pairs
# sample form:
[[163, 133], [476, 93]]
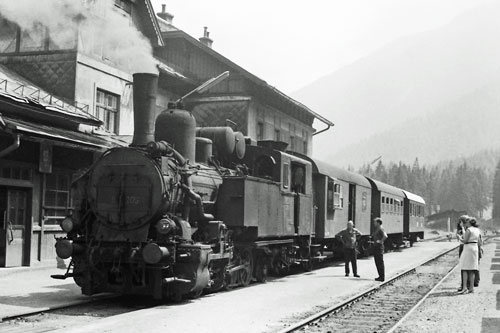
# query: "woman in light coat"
[[470, 255]]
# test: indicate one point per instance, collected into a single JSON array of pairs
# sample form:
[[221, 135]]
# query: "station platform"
[[272, 306], [25, 290], [446, 311]]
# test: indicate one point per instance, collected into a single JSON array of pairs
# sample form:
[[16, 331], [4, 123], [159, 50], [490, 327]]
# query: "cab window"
[[298, 184]]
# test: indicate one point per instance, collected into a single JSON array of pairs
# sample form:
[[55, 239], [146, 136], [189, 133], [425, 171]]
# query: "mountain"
[[424, 77], [458, 129]]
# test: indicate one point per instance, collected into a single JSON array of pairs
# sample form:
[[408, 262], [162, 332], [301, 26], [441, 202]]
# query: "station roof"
[[386, 188], [341, 174], [413, 197], [20, 98], [233, 67], [39, 132]]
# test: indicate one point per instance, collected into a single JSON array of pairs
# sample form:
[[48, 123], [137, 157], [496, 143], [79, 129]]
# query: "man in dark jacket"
[[379, 237], [348, 236]]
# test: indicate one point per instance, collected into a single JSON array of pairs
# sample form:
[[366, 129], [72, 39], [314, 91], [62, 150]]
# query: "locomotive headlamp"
[[65, 248], [153, 253], [164, 226], [67, 224]]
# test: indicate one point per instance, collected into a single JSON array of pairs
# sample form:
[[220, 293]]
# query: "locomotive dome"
[[126, 189]]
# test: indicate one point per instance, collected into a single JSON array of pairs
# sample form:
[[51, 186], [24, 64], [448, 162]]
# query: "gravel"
[[445, 311]]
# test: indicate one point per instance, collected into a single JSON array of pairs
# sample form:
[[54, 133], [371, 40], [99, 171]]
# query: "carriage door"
[[13, 207], [298, 187], [352, 203]]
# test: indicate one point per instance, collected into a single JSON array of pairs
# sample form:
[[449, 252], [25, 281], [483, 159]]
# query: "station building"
[[66, 102]]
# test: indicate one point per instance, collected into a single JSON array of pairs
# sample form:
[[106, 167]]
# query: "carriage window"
[[338, 197], [298, 178], [364, 201], [391, 206], [330, 202], [286, 167]]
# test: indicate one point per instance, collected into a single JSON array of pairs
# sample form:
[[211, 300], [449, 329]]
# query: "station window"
[[277, 135], [16, 172], [107, 108], [8, 36], [260, 131], [56, 199], [34, 40], [292, 143]]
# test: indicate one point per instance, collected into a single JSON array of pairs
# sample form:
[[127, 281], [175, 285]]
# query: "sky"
[[291, 43]]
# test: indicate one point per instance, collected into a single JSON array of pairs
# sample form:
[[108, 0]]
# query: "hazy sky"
[[290, 43]]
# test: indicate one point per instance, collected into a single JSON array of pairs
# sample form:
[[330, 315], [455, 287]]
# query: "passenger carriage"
[[413, 217], [388, 204]]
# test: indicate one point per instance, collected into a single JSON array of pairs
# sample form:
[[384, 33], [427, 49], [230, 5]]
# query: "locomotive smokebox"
[[145, 87], [177, 127]]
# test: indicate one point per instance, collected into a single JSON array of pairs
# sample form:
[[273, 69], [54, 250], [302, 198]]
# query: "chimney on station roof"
[[164, 15], [206, 39]]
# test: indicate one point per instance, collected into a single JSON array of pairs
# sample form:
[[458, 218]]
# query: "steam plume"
[[97, 26]]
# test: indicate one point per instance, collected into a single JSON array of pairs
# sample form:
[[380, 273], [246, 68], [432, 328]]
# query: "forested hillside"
[[463, 184]]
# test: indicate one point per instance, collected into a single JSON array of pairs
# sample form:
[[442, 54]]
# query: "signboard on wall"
[[45, 165]]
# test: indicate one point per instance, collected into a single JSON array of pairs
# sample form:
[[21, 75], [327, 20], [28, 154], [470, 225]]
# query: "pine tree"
[[496, 196]]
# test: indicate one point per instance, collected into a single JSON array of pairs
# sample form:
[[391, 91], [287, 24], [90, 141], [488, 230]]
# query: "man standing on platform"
[[379, 237], [348, 236]]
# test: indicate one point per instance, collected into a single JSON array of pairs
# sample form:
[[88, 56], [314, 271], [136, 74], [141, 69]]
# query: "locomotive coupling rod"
[[237, 268], [174, 279]]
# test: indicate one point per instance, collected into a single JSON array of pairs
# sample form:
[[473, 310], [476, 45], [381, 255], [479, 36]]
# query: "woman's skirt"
[[469, 260]]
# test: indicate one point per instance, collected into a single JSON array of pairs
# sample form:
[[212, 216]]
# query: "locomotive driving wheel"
[[195, 294], [245, 274], [261, 269]]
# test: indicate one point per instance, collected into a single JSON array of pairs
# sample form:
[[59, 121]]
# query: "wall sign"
[[45, 165]]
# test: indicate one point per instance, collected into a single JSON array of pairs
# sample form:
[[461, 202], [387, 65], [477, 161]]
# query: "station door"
[[13, 219]]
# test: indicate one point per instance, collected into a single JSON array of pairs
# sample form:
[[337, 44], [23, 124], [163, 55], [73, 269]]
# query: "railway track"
[[384, 307], [49, 319]]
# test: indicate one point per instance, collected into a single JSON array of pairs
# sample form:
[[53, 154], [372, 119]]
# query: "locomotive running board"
[[273, 242], [63, 276]]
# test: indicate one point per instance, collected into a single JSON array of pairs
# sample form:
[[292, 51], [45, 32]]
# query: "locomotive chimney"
[[145, 86]]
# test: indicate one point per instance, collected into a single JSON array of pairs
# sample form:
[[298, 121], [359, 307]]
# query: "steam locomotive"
[[185, 210]]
